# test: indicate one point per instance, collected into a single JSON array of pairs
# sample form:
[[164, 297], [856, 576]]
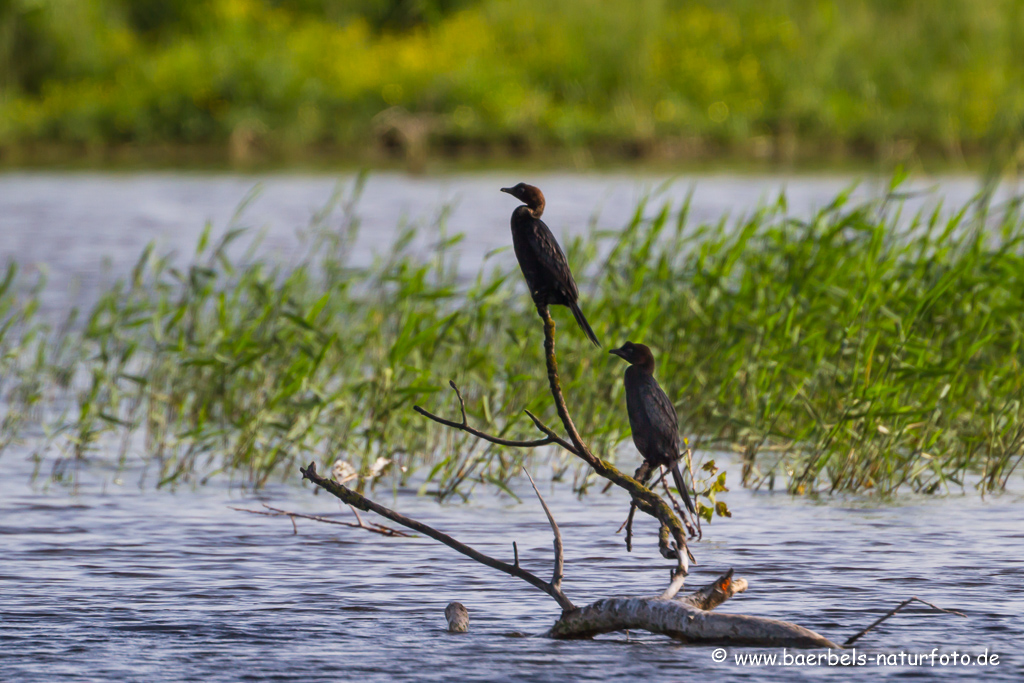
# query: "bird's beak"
[[618, 352], [507, 190]]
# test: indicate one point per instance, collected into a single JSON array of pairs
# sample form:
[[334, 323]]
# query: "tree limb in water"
[[852, 639], [689, 619], [357, 500], [359, 524]]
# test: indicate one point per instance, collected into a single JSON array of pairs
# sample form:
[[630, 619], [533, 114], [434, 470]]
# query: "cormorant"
[[541, 259], [652, 417]]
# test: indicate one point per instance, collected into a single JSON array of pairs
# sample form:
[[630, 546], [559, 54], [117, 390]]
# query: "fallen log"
[[688, 619]]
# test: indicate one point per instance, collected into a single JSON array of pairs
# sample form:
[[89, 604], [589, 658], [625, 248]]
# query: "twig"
[[556, 577], [464, 426], [688, 454], [276, 512], [639, 475], [852, 639], [356, 513], [551, 434], [675, 503], [353, 498]]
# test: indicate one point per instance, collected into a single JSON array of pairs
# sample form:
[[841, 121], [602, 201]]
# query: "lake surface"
[[112, 582], [85, 230], [137, 585]]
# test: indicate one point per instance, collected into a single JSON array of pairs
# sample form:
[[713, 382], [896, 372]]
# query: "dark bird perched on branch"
[[652, 417], [541, 259]]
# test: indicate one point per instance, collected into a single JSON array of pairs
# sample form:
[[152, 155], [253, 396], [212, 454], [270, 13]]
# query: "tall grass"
[[861, 349]]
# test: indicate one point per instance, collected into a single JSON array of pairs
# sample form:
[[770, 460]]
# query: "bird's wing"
[[662, 415], [551, 257]]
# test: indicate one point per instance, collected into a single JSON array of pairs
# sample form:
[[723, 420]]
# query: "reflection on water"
[[116, 583]]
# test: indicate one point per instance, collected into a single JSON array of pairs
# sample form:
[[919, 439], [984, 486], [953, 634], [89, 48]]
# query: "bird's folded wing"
[[551, 257], [662, 416]]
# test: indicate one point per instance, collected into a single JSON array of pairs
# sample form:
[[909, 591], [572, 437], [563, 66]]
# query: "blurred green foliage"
[[853, 77]]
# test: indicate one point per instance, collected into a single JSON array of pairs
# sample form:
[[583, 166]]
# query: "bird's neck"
[[526, 212], [536, 210], [642, 369]]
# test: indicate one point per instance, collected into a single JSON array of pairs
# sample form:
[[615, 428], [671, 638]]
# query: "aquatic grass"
[[858, 349]]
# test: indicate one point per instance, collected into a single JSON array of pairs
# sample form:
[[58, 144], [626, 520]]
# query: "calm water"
[[114, 582], [86, 229]]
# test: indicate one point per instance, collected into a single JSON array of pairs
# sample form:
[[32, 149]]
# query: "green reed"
[[859, 350]]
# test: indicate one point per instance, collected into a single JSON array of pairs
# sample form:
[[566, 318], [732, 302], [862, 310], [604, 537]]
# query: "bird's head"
[[529, 195], [636, 354]]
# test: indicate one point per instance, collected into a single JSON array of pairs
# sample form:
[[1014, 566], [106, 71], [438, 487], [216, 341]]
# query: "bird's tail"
[[582, 322], [681, 485]]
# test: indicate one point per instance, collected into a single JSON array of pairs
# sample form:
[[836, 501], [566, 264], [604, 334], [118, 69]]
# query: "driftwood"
[[357, 500], [457, 616], [688, 618]]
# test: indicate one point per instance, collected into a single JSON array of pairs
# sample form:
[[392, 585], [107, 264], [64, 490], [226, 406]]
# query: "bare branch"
[[556, 577], [675, 585], [628, 526], [356, 513], [462, 403], [643, 498], [551, 434], [464, 426], [355, 499], [556, 388], [852, 639], [276, 512]]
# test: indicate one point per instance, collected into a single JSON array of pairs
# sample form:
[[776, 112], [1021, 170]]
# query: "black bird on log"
[[541, 259], [652, 417]]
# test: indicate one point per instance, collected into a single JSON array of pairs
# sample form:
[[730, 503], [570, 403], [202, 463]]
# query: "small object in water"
[[457, 616]]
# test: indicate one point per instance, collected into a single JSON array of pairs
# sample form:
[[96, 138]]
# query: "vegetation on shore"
[[656, 78], [860, 350]]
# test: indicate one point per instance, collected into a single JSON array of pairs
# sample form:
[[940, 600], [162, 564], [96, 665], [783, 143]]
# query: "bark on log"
[[688, 619], [684, 622]]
